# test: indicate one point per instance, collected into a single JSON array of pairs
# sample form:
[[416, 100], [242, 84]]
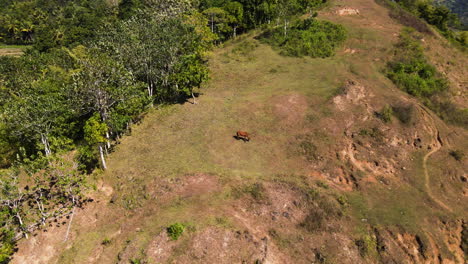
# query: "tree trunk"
[[235, 32], [193, 96], [108, 143], [285, 28], [20, 220], [212, 23], [69, 224], [103, 160], [46, 144], [150, 89]]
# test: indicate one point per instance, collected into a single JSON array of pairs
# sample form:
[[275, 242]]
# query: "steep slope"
[[322, 180]]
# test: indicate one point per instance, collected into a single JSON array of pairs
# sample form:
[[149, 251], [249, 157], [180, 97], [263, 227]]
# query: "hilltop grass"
[[248, 80]]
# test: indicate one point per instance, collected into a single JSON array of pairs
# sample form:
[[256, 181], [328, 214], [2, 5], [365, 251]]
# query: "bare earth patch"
[[347, 11], [291, 109]]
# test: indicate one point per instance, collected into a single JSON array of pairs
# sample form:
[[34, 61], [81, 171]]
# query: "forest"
[[92, 68]]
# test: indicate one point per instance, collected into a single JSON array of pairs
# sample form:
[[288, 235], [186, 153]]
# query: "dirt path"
[[436, 146]]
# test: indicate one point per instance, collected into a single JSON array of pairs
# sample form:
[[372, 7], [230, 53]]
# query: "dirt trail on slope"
[[436, 146]]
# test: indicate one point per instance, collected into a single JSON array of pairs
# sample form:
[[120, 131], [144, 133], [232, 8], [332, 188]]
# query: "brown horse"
[[242, 135]]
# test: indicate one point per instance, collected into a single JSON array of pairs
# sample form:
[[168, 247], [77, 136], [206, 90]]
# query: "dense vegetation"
[[309, 37], [438, 15], [411, 71], [459, 7]]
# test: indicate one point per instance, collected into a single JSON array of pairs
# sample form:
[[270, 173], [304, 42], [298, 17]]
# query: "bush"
[[323, 209], [386, 114], [309, 150], [175, 230], [366, 245], [257, 191], [403, 113], [310, 37], [373, 133], [412, 73], [448, 111], [106, 241], [7, 244], [405, 17], [410, 70]]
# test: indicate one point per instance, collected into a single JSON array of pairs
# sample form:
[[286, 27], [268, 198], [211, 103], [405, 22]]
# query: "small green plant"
[[106, 241], [342, 200], [404, 113], [385, 114], [175, 230], [136, 261], [313, 194], [373, 133], [257, 191], [366, 245], [321, 213], [457, 154], [411, 71], [7, 245], [322, 184], [307, 148]]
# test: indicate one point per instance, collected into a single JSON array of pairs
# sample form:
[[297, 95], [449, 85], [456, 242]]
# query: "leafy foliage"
[[386, 114], [322, 211], [93, 70], [49, 24], [411, 71], [228, 18], [309, 37], [175, 230], [434, 13]]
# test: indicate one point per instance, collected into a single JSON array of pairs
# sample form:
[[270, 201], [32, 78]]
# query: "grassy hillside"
[[323, 179]]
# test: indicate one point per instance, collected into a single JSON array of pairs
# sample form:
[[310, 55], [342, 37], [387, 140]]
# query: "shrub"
[[342, 200], [322, 210], [366, 245], [405, 17], [7, 244], [403, 113], [309, 150], [175, 230], [448, 111], [309, 37], [412, 73], [373, 133], [106, 241], [386, 114], [257, 191], [136, 261], [322, 184]]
